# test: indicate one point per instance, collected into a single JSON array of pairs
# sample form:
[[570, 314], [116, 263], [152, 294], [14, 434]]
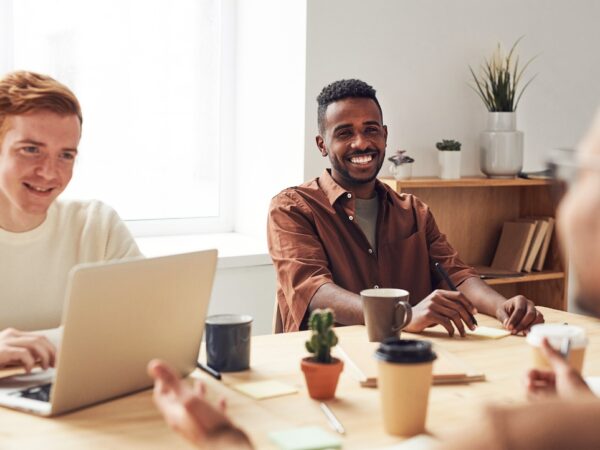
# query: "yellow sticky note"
[[265, 389], [488, 333]]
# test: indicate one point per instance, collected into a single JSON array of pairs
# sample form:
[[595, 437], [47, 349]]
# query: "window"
[[154, 80]]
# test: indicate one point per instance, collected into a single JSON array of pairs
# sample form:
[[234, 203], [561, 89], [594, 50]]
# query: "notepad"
[[488, 332], [260, 390], [358, 355], [305, 438]]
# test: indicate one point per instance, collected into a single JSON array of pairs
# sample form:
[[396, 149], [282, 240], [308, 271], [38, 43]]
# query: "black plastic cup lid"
[[405, 351]]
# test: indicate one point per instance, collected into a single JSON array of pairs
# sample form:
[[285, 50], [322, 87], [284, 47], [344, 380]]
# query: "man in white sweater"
[[42, 238]]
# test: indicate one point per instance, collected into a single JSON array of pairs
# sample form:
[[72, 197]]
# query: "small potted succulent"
[[321, 370], [401, 167], [449, 158]]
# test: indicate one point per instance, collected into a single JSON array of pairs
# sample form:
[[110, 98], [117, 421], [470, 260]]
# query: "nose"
[[47, 168], [360, 142]]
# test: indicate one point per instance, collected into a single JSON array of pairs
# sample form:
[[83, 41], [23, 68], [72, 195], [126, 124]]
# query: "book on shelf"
[[514, 245], [539, 234], [487, 272], [540, 259]]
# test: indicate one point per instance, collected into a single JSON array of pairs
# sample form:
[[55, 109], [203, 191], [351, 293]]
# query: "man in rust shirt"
[[346, 231]]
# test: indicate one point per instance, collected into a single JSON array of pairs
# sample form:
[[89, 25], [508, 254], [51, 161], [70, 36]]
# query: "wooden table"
[[133, 422]]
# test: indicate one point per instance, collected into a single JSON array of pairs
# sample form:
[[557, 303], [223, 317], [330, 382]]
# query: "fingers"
[[456, 311], [223, 405], [442, 320], [446, 308], [20, 356], [522, 314], [450, 314], [38, 347], [556, 360], [539, 381], [164, 376]]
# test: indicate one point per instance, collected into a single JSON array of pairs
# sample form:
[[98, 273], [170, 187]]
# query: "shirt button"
[[370, 251], [375, 287], [349, 195], [351, 217]]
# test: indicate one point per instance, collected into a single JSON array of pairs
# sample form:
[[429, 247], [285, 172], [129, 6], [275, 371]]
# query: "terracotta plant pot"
[[321, 379]]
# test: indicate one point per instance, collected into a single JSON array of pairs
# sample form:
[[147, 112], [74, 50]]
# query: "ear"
[[321, 145], [385, 133]]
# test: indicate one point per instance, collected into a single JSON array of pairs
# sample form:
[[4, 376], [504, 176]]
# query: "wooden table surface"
[[133, 422]]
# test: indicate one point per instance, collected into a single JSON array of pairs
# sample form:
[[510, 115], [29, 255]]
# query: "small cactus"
[[448, 145], [323, 337]]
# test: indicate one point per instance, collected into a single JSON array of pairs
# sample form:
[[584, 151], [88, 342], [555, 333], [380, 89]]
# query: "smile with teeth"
[[37, 189], [361, 159]]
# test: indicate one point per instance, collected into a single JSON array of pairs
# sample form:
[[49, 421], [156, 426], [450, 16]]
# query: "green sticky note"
[[305, 438]]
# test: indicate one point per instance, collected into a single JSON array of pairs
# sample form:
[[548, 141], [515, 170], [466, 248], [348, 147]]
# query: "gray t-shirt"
[[366, 217]]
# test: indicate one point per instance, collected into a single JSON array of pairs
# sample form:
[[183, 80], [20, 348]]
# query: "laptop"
[[117, 317]]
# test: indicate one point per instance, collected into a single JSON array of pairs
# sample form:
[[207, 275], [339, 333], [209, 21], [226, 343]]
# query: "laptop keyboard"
[[40, 393]]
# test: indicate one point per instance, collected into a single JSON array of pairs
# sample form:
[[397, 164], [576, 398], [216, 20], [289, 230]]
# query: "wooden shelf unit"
[[471, 211]]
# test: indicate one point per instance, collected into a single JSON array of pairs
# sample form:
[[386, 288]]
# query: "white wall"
[[246, 290], [6, 47], [416, 54], [269, 128]]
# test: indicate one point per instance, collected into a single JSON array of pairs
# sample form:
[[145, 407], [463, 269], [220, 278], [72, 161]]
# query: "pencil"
[[450, 284]]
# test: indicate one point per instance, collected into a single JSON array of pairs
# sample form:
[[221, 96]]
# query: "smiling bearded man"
[[345, 231], [42, 238]]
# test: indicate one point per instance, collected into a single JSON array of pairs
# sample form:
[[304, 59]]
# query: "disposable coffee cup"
[[557, 334], [404, 380], [386, 312], [228, 342]]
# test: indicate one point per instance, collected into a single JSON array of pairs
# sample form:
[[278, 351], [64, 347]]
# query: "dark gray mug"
[[386, 311], [228, 342]]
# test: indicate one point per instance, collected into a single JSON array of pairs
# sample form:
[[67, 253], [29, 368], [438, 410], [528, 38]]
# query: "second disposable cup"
[[557, 334], [404, 380]]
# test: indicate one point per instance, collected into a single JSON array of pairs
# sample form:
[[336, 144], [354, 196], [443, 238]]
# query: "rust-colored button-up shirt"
[[314, 239]]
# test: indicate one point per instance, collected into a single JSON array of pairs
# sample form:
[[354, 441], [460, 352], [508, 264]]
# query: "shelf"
[[536, 276], [433, 182]]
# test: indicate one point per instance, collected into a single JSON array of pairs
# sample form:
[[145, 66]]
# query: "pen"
[[335, 423], [450, 284], [209, 370]]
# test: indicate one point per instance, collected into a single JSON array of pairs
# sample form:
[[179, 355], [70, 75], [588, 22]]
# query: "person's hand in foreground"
[[446, 308], [563, 380], [518, 314], [26, 349], [187, 411]]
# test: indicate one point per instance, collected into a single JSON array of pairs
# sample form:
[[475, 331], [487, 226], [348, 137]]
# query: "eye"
[[344, 134], [30, 150], [372, 130], [68, 156]]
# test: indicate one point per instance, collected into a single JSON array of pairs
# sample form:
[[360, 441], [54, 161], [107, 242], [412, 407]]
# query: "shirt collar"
[[334, 191]]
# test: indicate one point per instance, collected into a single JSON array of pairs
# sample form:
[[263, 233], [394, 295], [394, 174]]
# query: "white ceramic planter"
[[501, 146], [401, 172], [449, 164]]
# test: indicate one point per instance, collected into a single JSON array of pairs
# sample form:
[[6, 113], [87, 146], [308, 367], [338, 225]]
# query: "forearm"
[[346, 305], [483, 297]]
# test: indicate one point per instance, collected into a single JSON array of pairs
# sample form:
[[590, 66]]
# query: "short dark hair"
[[340, 90]]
